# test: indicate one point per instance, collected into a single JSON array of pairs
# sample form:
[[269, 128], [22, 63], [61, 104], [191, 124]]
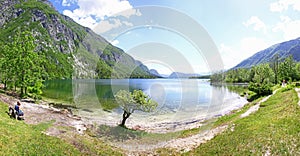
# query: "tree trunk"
[[5, 85], [22, 91], [125, 117]]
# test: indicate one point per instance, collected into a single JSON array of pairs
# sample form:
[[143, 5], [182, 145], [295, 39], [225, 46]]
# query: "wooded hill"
[[68, 49]]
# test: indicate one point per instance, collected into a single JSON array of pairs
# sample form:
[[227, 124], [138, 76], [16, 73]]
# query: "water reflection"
[[178, 98]]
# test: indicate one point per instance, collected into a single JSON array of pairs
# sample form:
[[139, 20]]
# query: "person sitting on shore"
[[18, 110]]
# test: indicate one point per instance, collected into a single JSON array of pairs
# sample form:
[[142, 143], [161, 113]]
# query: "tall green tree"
[[132, 101], [298, 71], [263, 74], [263, 79], [6, 66], [287, 69], [28, 62], [20, 65], [275, 66]]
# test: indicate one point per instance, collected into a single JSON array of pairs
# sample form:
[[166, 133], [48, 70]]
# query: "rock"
[[137, 127], [28, 100]]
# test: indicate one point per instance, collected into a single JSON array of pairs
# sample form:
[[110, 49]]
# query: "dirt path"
[[191, 142], [38, 113], [256, 107], [298, 92]]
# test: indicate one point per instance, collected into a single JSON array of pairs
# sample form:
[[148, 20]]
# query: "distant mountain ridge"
[[155, 73], [71, 49], [175, 75], [283, 50]]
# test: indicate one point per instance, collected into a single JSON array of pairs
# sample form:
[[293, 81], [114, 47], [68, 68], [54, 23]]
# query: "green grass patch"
[[274, 128], [118, 133], [212, 123], [20, 138]]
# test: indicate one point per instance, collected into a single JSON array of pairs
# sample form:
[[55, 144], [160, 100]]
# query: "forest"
[[263, 77]]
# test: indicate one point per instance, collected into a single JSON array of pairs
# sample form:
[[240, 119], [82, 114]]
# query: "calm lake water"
[[179, 99]]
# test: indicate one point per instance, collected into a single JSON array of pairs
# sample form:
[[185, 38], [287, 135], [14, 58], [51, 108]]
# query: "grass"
[[20, 138], [127, 136], [212, 123], [274, 129]]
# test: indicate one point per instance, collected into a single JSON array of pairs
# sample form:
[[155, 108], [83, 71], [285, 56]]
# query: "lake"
[[180, 100]]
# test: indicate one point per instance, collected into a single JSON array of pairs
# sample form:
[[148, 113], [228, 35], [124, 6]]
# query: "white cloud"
[[92, 11], [232, 55], [106, 25], [86, 21], [68, 2], [289, 28], [115, 42], [251, 45], [256, 23], [283, 5]]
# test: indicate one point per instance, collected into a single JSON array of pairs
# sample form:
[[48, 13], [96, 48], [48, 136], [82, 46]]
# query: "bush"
[[288, 87], [252, 96], [260, 89]]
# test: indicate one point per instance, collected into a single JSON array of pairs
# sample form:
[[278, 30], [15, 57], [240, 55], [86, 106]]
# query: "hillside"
[[71, 49], [283, 50]]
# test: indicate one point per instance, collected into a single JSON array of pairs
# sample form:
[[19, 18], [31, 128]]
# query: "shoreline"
[[152, 124], [44, 112]]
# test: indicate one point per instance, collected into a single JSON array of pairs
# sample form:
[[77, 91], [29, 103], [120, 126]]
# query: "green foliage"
[[103, 70], [22, 67], [263, 80], [287, 88], [36, 90], [298, 71], [287, 69], [260, 89], [136, 100], [132, 101], [237, 75], [217, 77], [263, 74], [20, 63], [274, 64], [252, 96]]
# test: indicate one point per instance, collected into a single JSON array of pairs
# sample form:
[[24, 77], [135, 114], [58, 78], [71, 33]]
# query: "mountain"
[[283, 50], [70, 49], [155, 73], [175, 75]]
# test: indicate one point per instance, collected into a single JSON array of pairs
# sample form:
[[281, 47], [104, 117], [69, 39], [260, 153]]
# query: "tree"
[[263, 79], [103, 70], [298, 71], [287, 69], [275, 66], [218, 77], [28, 66], [20, 65], [132, 101], [6, 65]]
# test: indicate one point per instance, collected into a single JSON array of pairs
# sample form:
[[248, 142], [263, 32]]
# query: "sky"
[[188, 36]]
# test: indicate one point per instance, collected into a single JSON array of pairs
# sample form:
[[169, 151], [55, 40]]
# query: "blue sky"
[[238, 28]]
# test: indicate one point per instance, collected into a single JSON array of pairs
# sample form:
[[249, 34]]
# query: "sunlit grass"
[[20, 138], [274, 128]]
